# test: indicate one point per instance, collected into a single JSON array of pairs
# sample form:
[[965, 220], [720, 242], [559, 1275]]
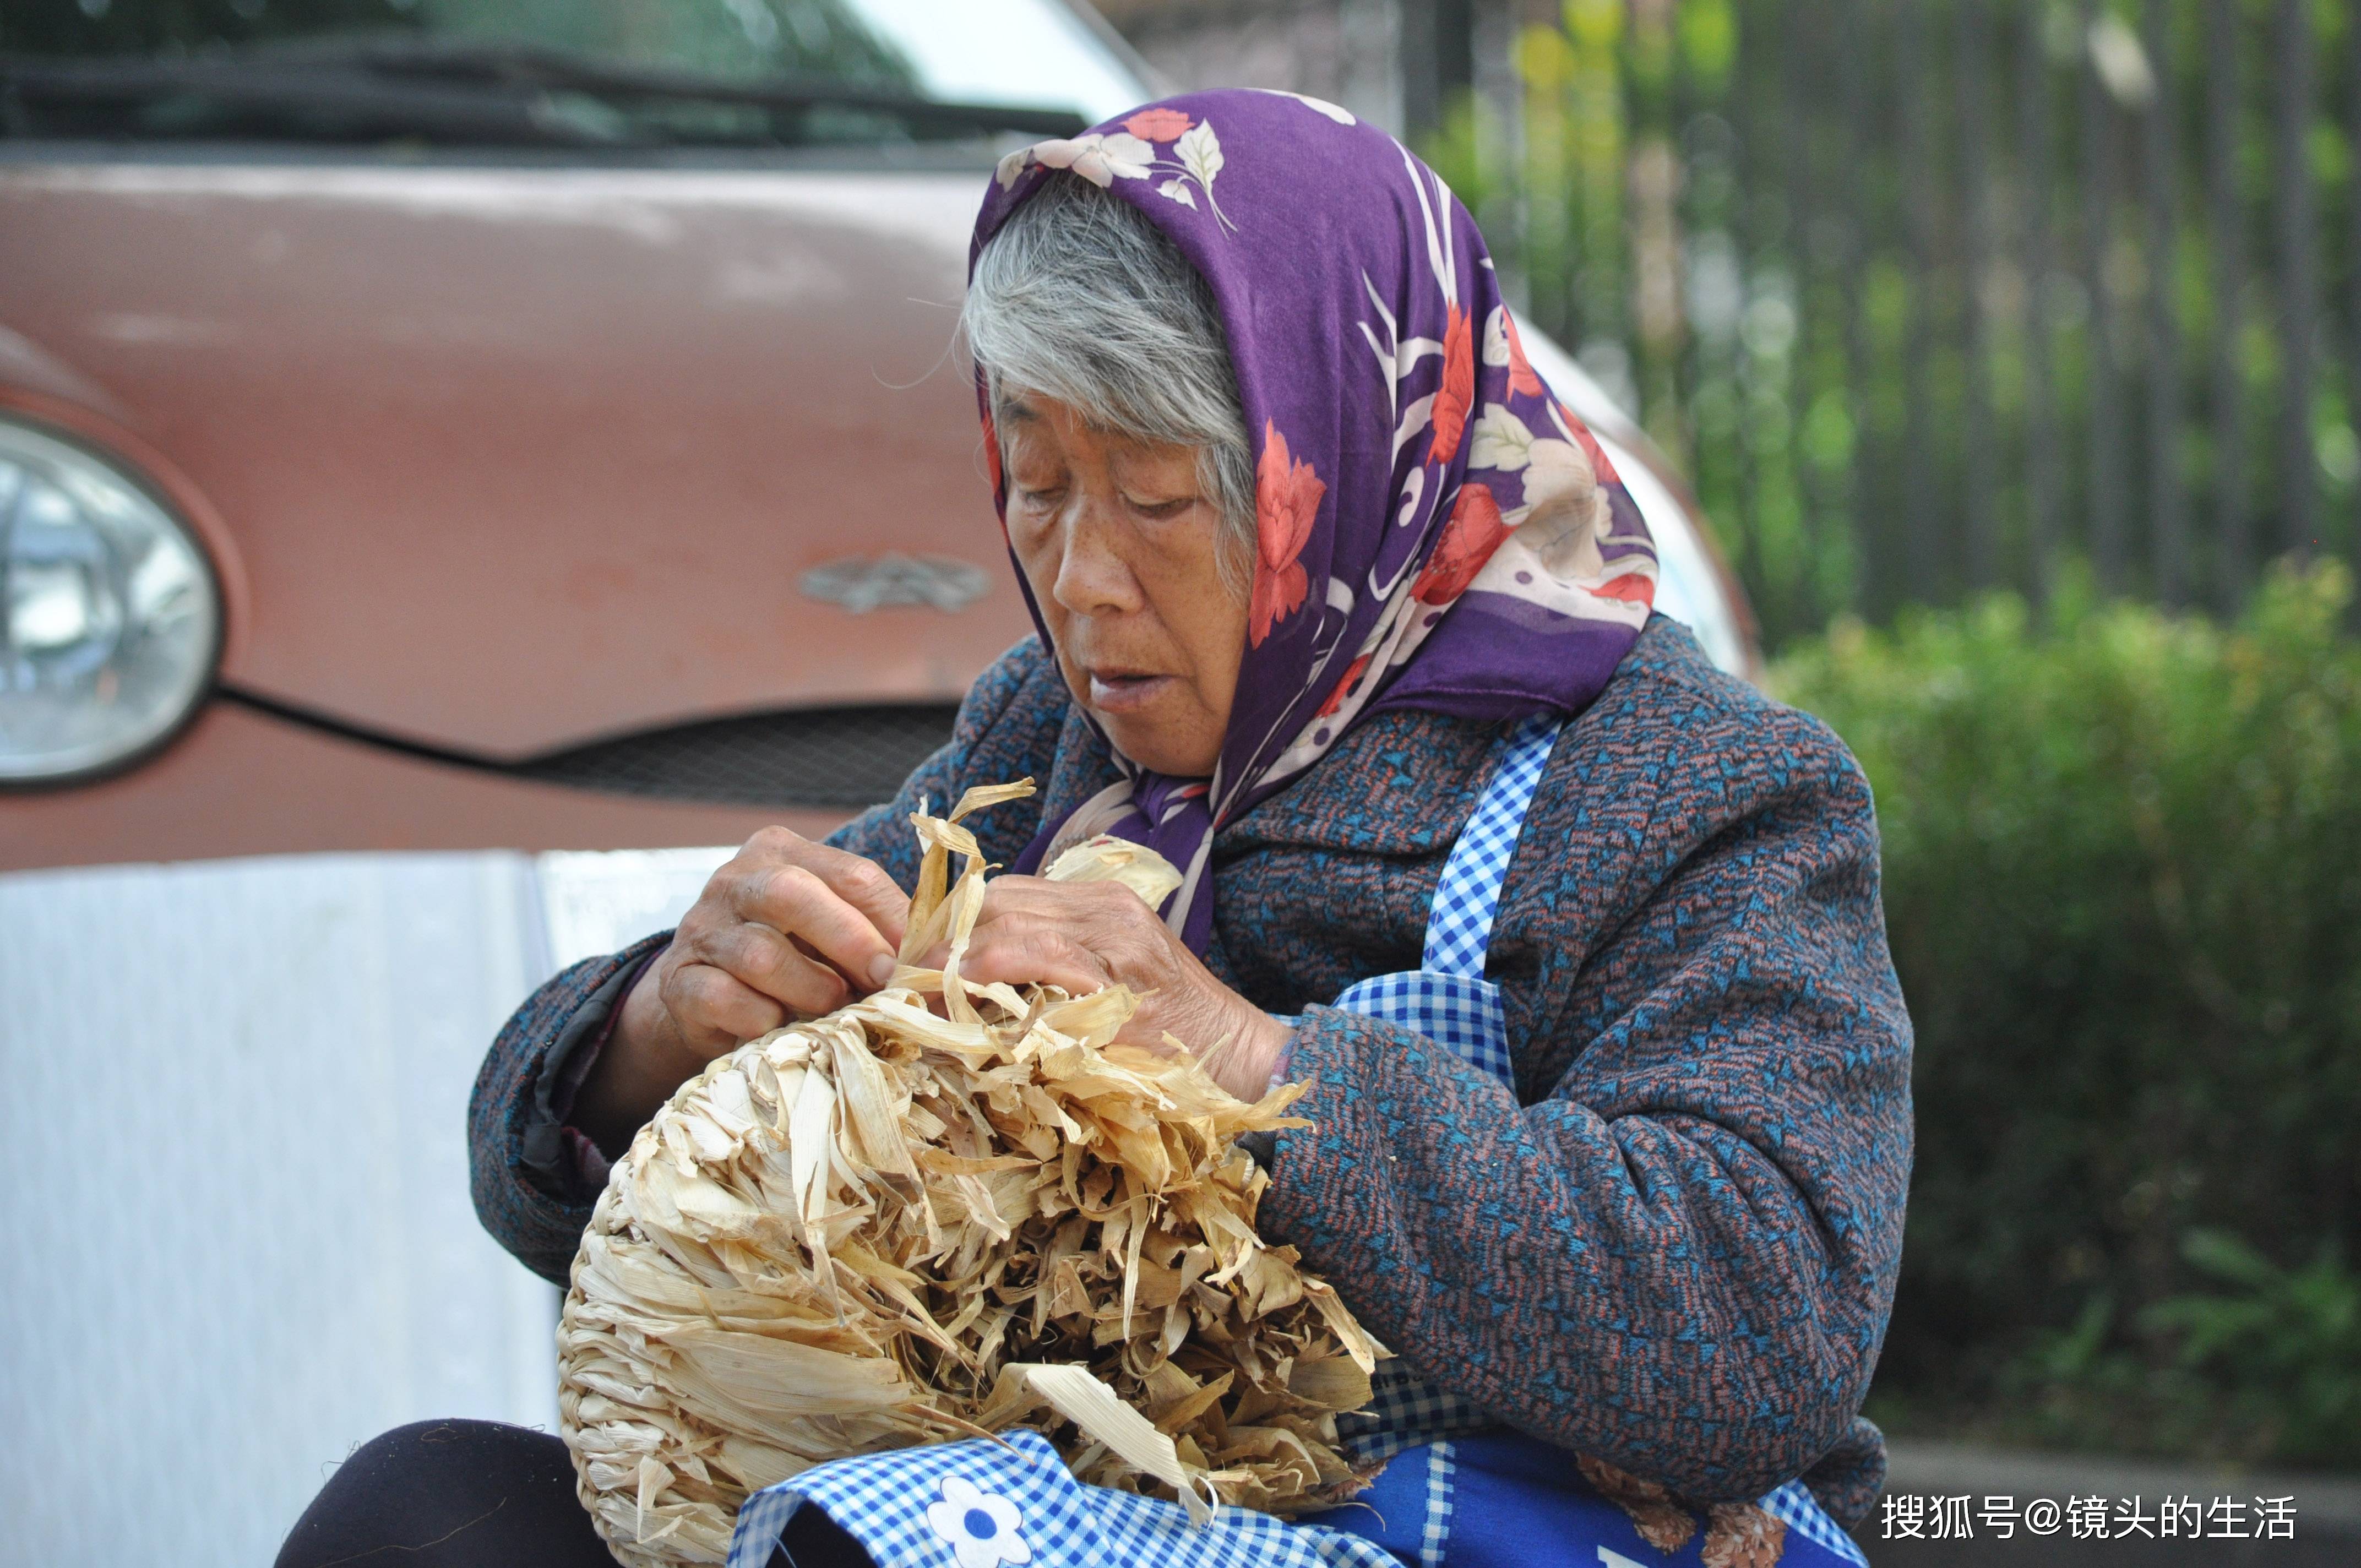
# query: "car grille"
[[818, 757]]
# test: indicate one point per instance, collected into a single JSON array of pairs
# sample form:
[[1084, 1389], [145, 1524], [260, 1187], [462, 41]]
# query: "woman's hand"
[[787, 928], [1082, 935]]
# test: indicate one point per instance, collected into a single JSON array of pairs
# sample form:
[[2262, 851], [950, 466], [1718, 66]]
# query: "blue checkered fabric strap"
[[1460, 927], [1793, 1506], [1459, 1011], [1405, 1411], [1449, 1001]]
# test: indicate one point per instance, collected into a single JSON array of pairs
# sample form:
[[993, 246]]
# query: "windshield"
[[745, 71]]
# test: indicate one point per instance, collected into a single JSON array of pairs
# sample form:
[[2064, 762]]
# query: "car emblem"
[[861, 584]]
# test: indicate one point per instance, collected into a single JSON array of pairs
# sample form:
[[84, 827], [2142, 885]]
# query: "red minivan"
[[450, 424]]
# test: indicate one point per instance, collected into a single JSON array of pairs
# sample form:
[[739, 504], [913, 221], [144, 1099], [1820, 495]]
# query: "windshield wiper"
[[472, 93], [237, 99], [548, 69]]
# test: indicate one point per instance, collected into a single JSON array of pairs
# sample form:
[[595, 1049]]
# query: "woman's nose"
[[1093, 577]]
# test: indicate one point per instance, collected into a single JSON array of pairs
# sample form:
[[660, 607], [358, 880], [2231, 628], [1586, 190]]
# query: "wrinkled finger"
[[1016, 895], [763, 961], [714, 1011], [1042, 894], [1022, 951], [796, 901], [862, 884], [1097, 914]]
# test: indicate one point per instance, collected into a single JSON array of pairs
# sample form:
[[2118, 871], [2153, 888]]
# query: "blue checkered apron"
[[1454, 1490]]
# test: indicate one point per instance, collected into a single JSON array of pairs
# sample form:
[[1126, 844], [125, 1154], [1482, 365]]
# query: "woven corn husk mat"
[[940, 1212]]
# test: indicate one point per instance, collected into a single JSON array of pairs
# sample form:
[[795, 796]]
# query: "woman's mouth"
[[1123, 691]]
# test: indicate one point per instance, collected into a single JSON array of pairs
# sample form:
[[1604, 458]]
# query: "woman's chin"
[[1166, 747]]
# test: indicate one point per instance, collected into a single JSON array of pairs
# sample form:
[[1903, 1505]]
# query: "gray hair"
[[1079, 297]]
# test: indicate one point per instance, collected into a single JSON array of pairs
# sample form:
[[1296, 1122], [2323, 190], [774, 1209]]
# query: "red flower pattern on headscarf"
[[1468, 539], [1459, 389], [1287, 499], [1632, 588], [1353, 672], [992, 463], [1157, 124], [991, 452], [1600, 466], [1520, 369]]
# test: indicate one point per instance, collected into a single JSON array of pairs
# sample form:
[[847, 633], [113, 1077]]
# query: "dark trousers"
[[463, 1494]]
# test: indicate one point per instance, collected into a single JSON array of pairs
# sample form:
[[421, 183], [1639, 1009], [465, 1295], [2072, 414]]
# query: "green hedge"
[[2123, 882]]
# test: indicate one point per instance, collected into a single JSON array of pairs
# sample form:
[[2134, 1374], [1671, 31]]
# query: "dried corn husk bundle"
[[888, 1227]]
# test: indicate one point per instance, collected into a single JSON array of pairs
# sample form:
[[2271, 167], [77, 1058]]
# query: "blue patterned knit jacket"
[[1673, 1245]]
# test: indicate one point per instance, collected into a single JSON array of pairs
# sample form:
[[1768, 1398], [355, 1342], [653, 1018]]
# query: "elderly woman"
[[1574, 940]]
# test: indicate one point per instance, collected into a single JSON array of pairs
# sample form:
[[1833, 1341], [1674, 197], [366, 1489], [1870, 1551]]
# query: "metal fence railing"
[[1935, 296]]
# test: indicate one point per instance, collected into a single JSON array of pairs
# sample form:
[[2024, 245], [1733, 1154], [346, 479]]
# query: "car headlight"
[[109, 621]]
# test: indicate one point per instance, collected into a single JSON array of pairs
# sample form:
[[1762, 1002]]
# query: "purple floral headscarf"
[[1433, 528]]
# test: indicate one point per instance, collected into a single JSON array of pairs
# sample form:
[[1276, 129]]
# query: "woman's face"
[[1120, 543]]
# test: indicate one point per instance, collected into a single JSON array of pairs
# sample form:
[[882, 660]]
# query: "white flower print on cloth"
[[1103, 157], [981, 1528], [1199, 152], [1557, 556], [1099, 158], [1552, 467], [1341, 116]]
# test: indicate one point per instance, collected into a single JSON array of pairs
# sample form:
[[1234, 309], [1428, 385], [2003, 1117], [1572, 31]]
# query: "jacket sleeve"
[[527, 1193], [1680, 1256]]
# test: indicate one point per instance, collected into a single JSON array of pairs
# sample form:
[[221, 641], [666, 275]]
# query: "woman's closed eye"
[[1160, 510]]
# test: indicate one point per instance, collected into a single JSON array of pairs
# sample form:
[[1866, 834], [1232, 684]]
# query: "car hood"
[[507, 458]]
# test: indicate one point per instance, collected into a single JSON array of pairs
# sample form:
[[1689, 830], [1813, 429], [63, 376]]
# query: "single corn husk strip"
[[941, 1212], [1109, 858], [1092, 1406]]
